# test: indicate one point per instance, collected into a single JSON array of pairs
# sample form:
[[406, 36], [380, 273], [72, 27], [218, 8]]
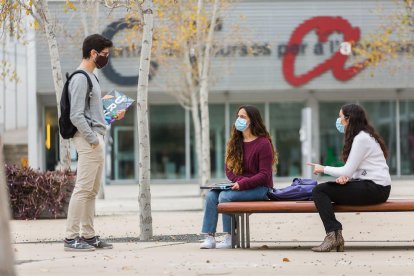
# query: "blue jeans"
[[214, 197]]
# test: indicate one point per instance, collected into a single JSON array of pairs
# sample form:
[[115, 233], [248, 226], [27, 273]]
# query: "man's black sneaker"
[[77, 244], [96, 242]]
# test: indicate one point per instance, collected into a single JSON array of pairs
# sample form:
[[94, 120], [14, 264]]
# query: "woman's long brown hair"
[[234, 152], [357, 121]]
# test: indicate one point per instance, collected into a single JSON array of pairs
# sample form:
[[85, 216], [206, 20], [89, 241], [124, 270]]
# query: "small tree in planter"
[[35, 194]]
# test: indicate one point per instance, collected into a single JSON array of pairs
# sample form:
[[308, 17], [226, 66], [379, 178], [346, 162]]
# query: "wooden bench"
[[241, 211]]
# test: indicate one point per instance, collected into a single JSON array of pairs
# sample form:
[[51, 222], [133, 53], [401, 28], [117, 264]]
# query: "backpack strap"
[[90, 85]]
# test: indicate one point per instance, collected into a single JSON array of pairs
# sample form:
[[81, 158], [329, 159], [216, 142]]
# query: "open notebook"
[[219, 186]]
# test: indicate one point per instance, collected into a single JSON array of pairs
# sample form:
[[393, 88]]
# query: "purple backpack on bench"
[[300, 189]]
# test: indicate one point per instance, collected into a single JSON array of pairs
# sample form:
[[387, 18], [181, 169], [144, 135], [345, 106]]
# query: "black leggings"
[[355, 192]]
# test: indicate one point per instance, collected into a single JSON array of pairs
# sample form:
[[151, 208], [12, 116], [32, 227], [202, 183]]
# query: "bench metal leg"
[[247, 231], [243, 245], [233, 230], [238, 230]]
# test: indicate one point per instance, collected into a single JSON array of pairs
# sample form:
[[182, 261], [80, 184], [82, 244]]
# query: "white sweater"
[[365, 161]]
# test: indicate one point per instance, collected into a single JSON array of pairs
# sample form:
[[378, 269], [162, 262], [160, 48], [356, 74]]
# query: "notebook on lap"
[[219, 186]]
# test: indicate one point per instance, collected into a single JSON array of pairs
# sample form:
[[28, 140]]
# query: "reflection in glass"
[[285, 121], [331, 141], [217, 142], [407, 137], [121, 147], [382, 116], [167, 128], [124, 152], [51, 136]]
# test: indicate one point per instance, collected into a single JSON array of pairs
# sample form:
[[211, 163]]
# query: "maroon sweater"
[[257, 165]]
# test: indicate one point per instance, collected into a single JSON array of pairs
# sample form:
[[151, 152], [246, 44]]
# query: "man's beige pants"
[[88, 180]]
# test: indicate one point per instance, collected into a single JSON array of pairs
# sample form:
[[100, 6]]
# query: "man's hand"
[[316, 168], [235, 187], [342, 180], [120, 115]]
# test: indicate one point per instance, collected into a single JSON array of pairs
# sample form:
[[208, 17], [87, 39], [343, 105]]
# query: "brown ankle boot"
[[340, 242], [332, 240]]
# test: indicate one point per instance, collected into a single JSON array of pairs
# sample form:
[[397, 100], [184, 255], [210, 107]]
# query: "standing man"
[[86, 114]]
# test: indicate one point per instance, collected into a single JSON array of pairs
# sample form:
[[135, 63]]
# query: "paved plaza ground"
[[376, 243]]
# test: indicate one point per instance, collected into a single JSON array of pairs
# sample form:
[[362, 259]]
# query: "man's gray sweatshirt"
[[88, 119]]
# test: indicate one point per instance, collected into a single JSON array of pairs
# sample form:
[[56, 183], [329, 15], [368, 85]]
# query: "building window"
[[122, 147], [217, 142], [331, 141], [407, 137], [167, 129], [382, 116], [51, 138], [285, 121]]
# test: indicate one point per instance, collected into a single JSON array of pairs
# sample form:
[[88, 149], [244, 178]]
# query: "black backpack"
[[66, 128]]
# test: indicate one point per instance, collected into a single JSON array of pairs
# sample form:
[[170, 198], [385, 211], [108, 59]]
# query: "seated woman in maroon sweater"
[[250, 160]]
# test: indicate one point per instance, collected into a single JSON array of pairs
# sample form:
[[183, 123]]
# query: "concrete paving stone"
[[376, 243]]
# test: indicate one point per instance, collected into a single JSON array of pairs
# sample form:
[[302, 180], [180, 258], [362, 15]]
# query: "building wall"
[[272, 31], [13, 90], [16, 86], [267, 27]]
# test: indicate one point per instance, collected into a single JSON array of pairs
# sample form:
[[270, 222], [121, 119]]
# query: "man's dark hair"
[[95, 42]]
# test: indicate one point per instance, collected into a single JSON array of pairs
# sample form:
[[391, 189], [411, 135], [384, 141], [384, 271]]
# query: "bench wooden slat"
[[394, 205]]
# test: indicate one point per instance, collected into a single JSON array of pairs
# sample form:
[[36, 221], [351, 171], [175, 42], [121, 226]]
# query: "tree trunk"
[[189, 77], [49, 29], [144, 198], [199, 46], [205, 122], [6, 251], [197, 134]]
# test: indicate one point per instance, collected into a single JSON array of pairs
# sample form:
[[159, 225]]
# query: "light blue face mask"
[[241, 124], [339, 126]]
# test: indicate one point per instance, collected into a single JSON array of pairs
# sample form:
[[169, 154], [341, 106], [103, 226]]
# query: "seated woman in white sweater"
[[364, 179]]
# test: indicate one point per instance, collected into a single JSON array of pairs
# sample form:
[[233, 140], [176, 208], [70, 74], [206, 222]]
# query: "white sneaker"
[[209, 243], [226, 243]]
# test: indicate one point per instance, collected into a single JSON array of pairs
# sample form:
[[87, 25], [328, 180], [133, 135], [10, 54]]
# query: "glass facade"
[[121, 147], [285, 121], [51, 138], [254, 69], [331, 141], [217, 140], [407, 137], [173, 145], [167, 130], [382, 116]]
